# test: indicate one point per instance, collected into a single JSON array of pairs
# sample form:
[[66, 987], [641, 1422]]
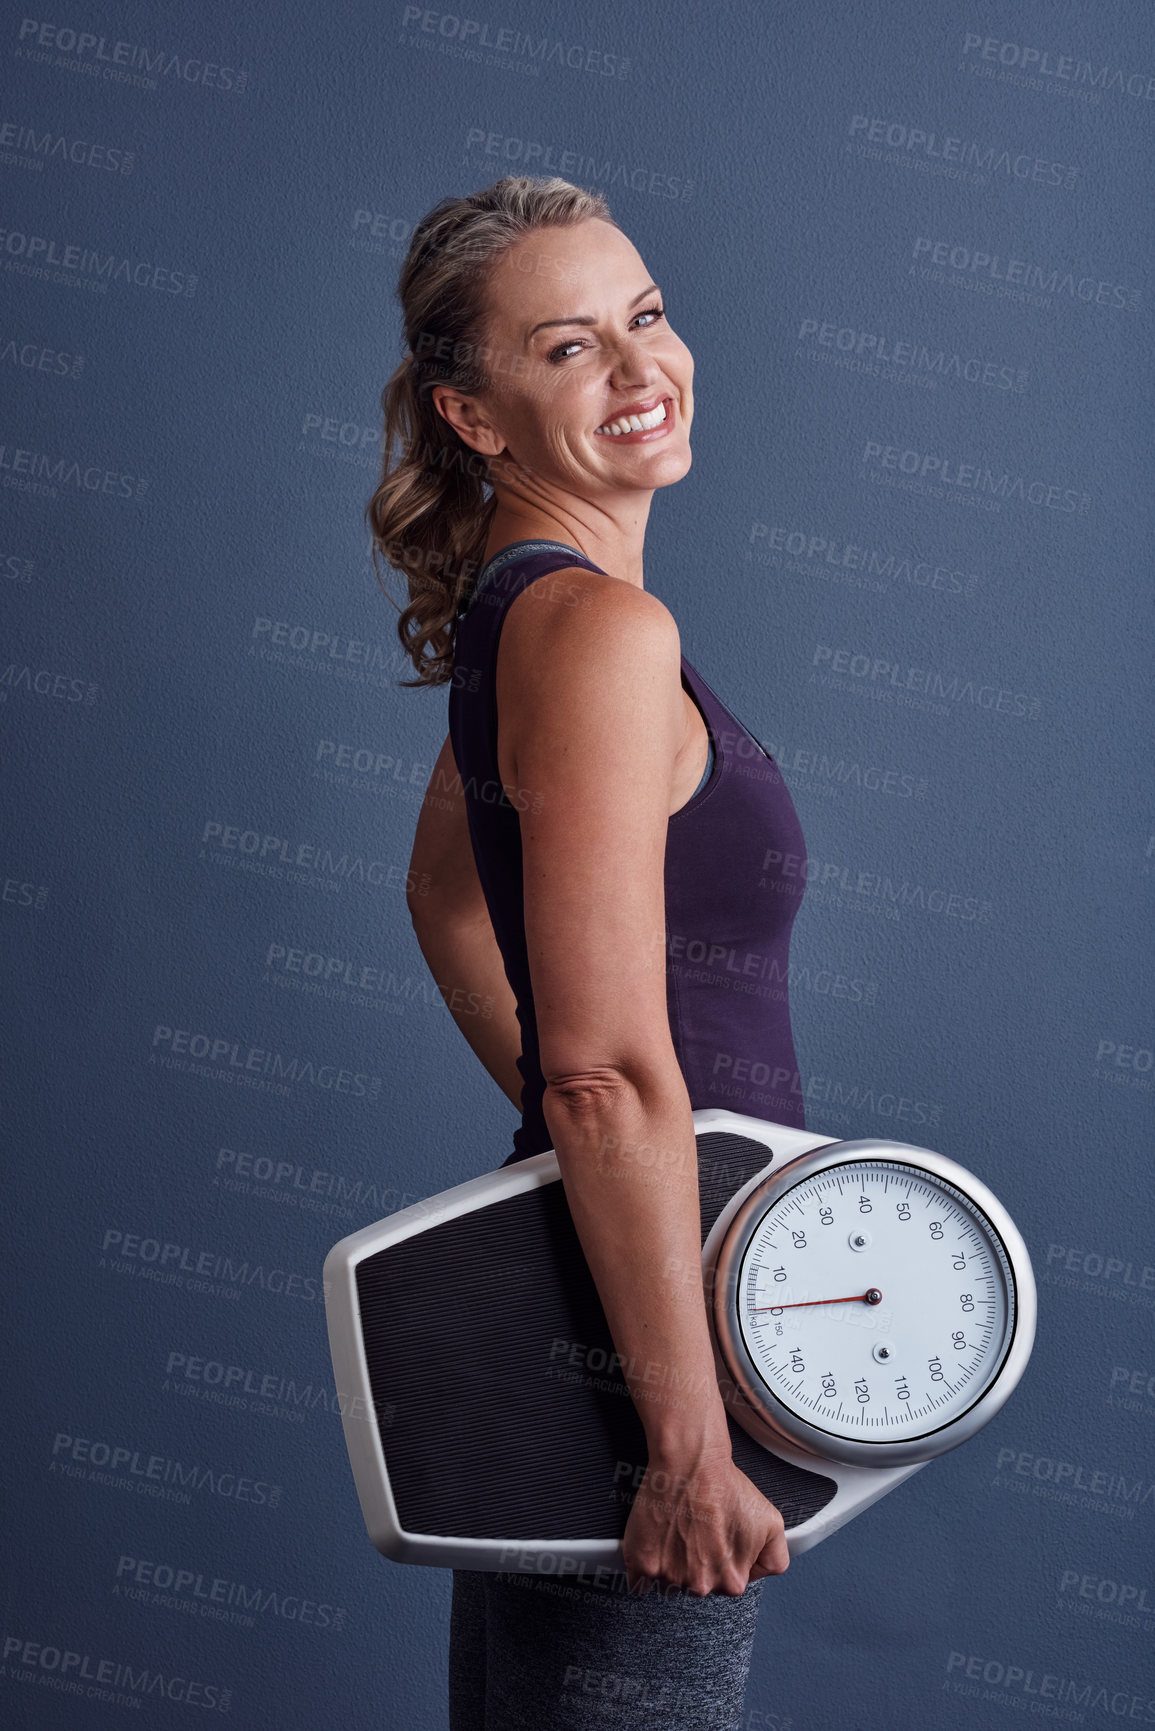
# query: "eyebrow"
[[576, 320]]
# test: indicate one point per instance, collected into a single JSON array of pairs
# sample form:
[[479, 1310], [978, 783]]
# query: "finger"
[[733, 1583], [773, 1558]]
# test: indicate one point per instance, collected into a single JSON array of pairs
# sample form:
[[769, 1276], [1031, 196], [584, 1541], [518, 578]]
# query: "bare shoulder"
[[589, 672], [574, 612]]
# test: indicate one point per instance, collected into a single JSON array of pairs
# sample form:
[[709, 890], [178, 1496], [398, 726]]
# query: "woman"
[[613, 823]]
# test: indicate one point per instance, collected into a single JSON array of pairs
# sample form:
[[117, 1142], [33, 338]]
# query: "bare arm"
[[454, 931], [591, 719]]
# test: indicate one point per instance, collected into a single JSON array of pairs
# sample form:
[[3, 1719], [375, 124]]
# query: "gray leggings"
[[534, 1654]]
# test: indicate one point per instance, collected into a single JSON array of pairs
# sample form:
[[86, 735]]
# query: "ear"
[[468, 420]]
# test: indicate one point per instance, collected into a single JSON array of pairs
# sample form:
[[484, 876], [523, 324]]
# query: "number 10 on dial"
[[873, 1302]]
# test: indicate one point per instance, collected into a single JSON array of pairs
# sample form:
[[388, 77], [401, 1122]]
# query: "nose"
[[632, 365]]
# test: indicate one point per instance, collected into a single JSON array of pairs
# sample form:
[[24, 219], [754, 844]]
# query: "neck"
[[615, 544]]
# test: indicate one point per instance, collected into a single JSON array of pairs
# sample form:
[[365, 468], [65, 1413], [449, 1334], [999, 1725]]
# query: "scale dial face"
[[867, 1306]]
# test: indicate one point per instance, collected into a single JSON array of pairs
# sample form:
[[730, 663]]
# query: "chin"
[[676, 469]]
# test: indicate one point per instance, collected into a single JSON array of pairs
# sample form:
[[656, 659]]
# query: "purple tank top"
[[733, 880]]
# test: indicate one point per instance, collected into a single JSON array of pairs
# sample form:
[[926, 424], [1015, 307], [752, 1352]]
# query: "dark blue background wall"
[[908, 247]]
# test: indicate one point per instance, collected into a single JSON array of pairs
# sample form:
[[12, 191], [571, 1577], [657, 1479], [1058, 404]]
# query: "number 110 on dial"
[[871, 1304]]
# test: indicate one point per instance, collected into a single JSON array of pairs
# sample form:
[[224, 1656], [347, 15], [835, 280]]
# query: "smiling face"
[[575, 339]]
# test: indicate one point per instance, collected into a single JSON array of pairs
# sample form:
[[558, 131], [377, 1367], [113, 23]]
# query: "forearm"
[[466, 965], [629, 1165]]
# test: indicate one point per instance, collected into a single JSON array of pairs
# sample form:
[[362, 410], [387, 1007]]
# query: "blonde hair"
[[431, 510]]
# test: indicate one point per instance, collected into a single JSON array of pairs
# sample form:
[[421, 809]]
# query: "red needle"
[[870, 1296]]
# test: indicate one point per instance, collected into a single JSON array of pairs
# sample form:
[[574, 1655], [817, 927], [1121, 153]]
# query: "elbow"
[[418, 884], [587, 1093], [592, 1110], [422, 894], [601, 1091], [437, 908]]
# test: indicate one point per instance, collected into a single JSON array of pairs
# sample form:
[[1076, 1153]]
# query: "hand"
[[701, 1525]]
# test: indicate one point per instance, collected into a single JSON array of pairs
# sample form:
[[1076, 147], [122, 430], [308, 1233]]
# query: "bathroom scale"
[[871, 1306]]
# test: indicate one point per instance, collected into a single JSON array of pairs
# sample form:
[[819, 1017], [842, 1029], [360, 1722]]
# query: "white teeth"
[[634, 423]]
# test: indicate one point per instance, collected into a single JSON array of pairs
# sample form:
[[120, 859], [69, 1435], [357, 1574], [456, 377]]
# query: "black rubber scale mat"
[[503, 1412]]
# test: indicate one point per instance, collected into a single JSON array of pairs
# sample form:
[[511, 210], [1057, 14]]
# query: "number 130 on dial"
[[873, 1303]]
